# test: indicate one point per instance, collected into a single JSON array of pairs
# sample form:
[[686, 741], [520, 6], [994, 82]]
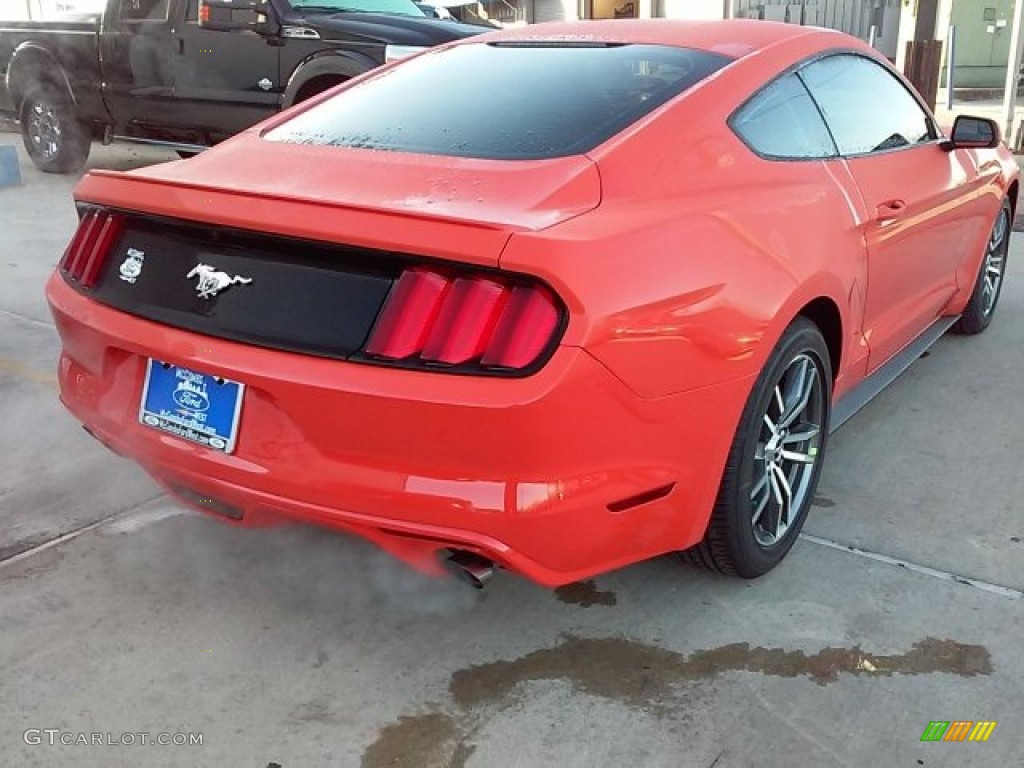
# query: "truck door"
[[137, 63], [224, 80]]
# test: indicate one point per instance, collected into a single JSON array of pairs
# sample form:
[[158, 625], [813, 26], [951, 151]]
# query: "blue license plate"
[[191, 405]]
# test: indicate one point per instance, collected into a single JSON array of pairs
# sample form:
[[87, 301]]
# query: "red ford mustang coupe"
[[556, 299]]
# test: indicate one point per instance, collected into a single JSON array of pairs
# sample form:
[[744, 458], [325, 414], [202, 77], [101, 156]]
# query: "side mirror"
[[973, 133], [228, 16]]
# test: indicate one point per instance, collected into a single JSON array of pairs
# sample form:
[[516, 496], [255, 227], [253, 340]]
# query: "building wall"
[[855, 17], [14, 10], [982, 42], [689, 9], [554, 10]]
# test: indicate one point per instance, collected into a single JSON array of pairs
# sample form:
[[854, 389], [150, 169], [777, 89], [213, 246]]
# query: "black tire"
[[54, 138], [988, 283], [736, 541]]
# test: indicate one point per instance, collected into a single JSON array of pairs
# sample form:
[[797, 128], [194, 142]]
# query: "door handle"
[[890, 210]]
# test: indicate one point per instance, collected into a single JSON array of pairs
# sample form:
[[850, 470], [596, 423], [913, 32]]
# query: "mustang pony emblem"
[[213, 281]]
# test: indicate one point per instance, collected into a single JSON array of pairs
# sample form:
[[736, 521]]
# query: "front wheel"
[[53, 136], [989, 283], [775, 460]]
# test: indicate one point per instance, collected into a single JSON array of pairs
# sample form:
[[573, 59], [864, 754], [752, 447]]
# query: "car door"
[[136, 59], [224, 80], [920, 198]]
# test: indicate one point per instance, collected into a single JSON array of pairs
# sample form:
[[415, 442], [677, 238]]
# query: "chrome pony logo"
[[212, 281]]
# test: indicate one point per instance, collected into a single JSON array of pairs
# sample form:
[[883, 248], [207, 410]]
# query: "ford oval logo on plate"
[[192, 396]]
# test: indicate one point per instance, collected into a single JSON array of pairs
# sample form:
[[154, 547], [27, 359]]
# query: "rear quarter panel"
[[701, 252]]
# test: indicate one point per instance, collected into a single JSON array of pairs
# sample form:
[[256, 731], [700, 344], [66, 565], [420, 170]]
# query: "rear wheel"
[[775, 460], [53, 136], [989, 283]]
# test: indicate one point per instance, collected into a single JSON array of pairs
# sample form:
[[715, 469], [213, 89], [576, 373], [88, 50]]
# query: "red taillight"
[[465, 322], [526, 326], [408, 315], [90, 246], [437, 320]]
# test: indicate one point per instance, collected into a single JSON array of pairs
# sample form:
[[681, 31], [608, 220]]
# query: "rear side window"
[[521, 101], [782, 122], [866, 107]]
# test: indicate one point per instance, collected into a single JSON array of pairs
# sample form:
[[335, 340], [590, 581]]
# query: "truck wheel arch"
[[326, 70], [30, 65]]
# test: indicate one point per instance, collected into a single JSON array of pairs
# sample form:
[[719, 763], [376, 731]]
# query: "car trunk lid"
[[310, 257]]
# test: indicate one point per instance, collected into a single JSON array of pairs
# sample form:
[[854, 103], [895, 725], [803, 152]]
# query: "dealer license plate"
[[192, 405]]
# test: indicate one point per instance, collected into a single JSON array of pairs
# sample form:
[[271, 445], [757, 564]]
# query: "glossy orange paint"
[[680, 255]]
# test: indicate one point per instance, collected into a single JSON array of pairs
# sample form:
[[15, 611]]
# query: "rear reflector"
[[482, 322], [89, 248]]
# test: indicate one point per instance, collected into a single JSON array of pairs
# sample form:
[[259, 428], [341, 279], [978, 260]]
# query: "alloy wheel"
[[995, 262], [787, 450]]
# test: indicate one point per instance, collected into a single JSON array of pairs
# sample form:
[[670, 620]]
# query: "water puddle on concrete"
[[585, 594], [638, 675]]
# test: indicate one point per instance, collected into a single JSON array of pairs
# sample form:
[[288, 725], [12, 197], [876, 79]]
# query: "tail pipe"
[[470, 568]]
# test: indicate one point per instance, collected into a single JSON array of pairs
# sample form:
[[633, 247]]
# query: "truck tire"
[[54, 138]]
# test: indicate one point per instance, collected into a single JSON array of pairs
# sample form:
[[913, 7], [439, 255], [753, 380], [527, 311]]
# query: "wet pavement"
[[299, 648]]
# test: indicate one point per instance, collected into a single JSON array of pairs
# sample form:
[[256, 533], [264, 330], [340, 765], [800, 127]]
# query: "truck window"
[[143, 10]]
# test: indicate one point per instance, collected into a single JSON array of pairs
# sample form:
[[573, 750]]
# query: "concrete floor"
[[298, 648]]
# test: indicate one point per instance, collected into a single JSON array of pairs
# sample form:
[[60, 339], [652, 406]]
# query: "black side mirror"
[[973, 133]]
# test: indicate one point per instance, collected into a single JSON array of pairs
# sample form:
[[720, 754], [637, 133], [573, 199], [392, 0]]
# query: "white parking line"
[[996, 589], [137, 509]]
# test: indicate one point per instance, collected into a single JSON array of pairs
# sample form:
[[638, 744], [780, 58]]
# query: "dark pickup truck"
[[189, 73]]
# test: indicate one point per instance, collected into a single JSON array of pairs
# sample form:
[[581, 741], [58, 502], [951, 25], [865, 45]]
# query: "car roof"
[[734, 37]]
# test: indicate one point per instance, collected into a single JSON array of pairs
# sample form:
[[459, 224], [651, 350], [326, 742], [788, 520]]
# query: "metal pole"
[[872, 35], [950, 65], [1012, 70]]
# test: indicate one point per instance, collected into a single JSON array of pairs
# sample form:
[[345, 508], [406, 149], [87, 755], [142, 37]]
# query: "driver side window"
[[866, 107]]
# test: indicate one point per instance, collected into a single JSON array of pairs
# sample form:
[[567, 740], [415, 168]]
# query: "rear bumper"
[[522, 471]]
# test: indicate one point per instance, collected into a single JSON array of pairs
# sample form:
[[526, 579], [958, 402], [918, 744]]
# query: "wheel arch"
[[825, 314], [330, 68], [30, 64], [1011, 192]]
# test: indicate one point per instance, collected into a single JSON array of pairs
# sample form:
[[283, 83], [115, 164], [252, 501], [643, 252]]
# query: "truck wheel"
[[54, 139]]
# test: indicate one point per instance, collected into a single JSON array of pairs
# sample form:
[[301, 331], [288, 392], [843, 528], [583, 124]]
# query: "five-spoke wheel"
[[775, 459]]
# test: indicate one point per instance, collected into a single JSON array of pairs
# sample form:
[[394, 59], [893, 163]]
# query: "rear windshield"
[[503, 101]]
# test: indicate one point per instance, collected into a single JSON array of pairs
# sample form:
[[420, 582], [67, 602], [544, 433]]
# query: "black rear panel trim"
[[304, 296]]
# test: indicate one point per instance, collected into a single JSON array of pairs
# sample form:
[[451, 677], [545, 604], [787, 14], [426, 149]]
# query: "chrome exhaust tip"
[[470, 568]]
